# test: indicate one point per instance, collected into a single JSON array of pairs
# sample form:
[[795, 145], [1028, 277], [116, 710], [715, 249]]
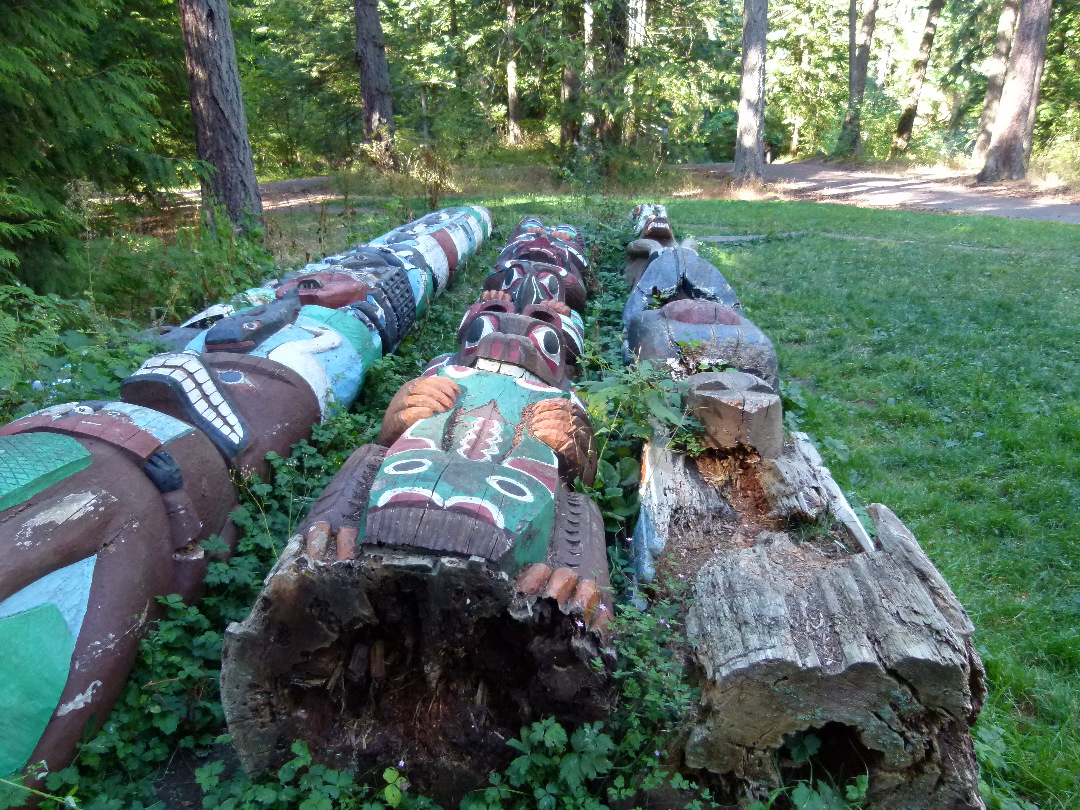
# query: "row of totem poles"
[[450, 585]]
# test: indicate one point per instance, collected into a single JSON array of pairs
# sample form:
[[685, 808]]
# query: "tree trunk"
[[750, 145], [636, 26], [217, 106], [588, 72], [860, 36], [513, 99], [1006, 158], [911, 106], [996, 78], [374, 73], [569, 85]]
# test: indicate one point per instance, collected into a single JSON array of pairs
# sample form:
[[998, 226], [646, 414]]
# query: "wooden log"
[[870, 651]]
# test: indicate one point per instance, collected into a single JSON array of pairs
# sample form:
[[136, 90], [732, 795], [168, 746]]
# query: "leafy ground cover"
[[931, 357]]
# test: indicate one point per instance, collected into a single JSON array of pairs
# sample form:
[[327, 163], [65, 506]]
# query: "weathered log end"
[[433, 659], [869, 651]]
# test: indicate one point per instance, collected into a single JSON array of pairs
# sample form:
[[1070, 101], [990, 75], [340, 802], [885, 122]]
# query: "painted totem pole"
[[105, 506], [448, 586], [800, 622]]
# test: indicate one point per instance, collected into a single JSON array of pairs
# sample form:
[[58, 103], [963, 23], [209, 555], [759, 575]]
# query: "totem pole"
[[106, 506], [449, 585], [799, 621]]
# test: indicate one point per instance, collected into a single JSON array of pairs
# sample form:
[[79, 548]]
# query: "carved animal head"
[[493, 334], [530, 282], [327, 289], [244, 331]]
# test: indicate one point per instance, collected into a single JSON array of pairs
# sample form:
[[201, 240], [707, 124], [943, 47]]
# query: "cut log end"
[[435, 659]]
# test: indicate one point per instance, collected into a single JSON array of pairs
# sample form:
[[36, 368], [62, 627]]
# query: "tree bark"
[[374, 73], [588, 72], [513, 98], [911, 106], [860, 36], [217, 106], [750, 145], [996, 78], [569, 85], [1006, 157]]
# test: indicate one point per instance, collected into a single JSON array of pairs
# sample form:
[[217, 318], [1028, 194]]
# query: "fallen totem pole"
[[448, 586], [106, 505], [799, 622]]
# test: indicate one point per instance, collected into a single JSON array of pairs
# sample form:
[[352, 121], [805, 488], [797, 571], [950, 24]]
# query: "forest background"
[[579, 96]]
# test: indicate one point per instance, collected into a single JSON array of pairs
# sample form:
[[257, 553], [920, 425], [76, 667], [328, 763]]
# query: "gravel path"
[[914, 190]]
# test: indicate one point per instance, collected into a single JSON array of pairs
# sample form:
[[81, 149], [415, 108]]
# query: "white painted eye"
[[510, 488], [251, 326], [482, 325], [408, 466], [547, 341]]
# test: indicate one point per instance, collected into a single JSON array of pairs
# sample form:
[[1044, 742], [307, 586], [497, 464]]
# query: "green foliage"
[[73, 113], [59, 350]]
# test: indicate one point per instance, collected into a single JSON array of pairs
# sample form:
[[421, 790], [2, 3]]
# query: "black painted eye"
[[251, 326], [309, 284], [547, 340], [551, 283], [510, 488], [232, 377], [481, 325]]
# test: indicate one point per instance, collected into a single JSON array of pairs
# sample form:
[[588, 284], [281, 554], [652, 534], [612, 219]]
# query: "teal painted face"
[[475, 465]]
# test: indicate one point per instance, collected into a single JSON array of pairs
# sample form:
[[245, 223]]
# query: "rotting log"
[[799, 621], [447, 587]]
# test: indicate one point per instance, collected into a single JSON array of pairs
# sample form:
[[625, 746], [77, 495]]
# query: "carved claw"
[[495, 295], [416, 400], [575, 596], [565, 428]]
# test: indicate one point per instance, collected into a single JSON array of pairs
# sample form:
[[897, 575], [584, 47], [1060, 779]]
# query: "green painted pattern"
[[37, 647], [355, 332], [33, 462]]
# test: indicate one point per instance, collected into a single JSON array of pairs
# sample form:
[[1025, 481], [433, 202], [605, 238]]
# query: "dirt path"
[[914, 190]]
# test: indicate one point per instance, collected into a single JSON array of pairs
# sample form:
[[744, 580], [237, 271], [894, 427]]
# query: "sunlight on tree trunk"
[[1006, 158], [860, 36], [911, 105], [750, 144], [513, 99], [217, 107], [588, 73], [636, 25], [996, 78], [374, 73]]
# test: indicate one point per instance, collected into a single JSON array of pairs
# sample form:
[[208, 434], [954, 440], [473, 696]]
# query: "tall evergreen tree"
[[74, 111], [374, 73], [1006, 158], [750, 143], [861, 23], [906, 123], [217, 106], [999, 61]]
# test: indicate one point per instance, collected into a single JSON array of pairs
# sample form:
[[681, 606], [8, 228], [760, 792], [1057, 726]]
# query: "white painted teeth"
[[507, 370], [199, 389]]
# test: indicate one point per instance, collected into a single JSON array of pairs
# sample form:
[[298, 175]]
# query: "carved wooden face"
[[544, 248], [530, 282], [535, 345], [471, 480], [326, 289], [244, 331]]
